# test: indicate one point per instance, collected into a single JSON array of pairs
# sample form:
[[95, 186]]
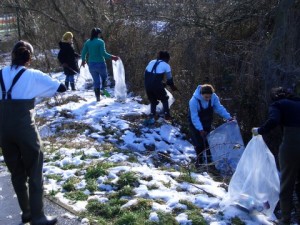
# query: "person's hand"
[[230, 119], [83, 64], [174, 88], [115, 58], [203, 133], [255, 131]]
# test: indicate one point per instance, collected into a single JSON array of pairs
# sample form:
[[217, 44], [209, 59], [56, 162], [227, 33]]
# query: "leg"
[[13, 160], [103, 75], [163, 96], [289, 169], [72, 82], [94, 70], [198, 143], [153, 101], [67, 82]]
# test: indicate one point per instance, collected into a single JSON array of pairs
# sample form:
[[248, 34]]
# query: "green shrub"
[[69, 184], [76, 196], [97, 170], [92, 185], [127, 178]]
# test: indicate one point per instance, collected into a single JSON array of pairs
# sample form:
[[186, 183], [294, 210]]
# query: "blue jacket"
[[195, 107], [284, 112]]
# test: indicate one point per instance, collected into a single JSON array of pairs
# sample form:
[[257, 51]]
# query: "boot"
[[23, 200], [67, 84], [37, 211], [166, 110], [97, 94], [73, 87]]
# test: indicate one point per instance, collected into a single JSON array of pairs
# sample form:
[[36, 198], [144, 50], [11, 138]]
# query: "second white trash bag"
[[171, 100], [119, 77], [255, 183]]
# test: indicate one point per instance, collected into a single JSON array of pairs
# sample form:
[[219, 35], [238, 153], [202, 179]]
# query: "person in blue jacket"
[[285, 111], [202, 106]]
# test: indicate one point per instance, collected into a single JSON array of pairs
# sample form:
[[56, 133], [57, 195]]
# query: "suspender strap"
[[2, 86], [155, 65], [201, 107], [16, 78]]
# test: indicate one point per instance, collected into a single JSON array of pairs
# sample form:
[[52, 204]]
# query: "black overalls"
[[200, 143], [155, 89], [21, 147]]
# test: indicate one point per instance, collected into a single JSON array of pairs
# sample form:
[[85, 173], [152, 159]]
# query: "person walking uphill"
[[155, 88], [95, 54], [285, 111], [68, 59], [19, 139], [202, 105]]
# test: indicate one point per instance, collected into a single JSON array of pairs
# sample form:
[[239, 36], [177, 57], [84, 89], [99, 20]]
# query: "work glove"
[[203, 133], [115, 58], [255, 131]]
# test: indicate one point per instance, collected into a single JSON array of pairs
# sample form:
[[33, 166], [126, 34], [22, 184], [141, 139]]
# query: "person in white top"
[[19, 138], [155, 88]]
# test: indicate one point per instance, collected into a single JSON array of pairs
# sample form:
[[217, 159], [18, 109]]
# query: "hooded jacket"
[[194, 107], [68, 55]]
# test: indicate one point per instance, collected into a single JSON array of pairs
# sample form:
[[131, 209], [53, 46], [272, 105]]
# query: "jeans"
[[98, 70], [70, 78]]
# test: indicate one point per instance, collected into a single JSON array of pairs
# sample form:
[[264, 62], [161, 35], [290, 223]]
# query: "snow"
[[93, 131]]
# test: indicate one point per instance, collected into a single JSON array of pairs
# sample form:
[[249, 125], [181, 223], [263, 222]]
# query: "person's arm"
[[273, 119], [219, 108], [103, 51], [193, 105]]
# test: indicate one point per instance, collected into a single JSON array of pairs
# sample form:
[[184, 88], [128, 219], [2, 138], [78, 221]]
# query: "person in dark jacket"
[[285, 111], [155, 88], [19, 138], [201, 108], [68, 59]]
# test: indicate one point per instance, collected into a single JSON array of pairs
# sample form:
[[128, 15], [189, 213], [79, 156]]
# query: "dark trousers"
[[156, 94], [21, 149], [289, 158]]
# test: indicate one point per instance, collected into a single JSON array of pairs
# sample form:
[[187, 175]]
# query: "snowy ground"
[[79, 134]]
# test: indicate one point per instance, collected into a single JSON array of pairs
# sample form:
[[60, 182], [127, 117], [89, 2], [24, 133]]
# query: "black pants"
[[289, 158], [156, 94]]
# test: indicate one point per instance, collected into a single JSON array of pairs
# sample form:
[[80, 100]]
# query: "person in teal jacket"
[[94, 53], [202, 105]]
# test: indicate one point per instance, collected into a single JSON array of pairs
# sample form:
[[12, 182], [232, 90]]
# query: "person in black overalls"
[[285, 111], [19, 138], [68, 59], [155, 88], [202, 106]]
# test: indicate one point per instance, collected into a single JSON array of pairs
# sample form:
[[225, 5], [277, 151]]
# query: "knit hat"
[[67, 36]]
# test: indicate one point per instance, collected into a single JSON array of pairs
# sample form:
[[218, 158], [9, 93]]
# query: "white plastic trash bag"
[[255, 184], [171, 100], [226, 146], [119, 77]]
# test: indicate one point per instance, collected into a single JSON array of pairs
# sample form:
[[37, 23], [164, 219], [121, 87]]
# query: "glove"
[[115, 58], [174, 88], [203, 133], [255, 131]]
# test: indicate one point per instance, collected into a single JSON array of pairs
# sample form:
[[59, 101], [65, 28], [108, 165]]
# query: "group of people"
[[20, 141]]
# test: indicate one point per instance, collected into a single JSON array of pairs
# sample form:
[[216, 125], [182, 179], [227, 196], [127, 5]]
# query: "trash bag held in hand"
[[226, 146], [119, 77], [255, 184]]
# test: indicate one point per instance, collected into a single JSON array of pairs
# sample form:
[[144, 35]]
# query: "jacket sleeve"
[[194, 108], [84, 52], [273, 119], [103, 52], [219, 108]]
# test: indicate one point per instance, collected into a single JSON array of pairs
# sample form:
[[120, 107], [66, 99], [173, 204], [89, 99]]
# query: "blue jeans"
[[70, 78], [98, 70]]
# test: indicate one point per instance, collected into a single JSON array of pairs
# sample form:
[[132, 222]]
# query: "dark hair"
[[95, 32], [207, 89], [278, 93], [21, 53], [163, 55]]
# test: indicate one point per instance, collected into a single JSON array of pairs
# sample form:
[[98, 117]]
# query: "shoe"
[[46, 220]]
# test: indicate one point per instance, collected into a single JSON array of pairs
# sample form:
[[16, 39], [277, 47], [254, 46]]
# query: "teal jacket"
[[94, 51]]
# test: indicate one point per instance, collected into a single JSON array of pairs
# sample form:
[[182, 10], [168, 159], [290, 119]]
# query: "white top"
[[162, 67], [33, 83]]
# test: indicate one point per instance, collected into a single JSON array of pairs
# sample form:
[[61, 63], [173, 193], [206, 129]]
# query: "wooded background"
[[242, 47]]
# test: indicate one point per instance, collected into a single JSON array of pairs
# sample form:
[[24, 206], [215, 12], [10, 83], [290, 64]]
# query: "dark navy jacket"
[[284, 112], [69, 56]]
